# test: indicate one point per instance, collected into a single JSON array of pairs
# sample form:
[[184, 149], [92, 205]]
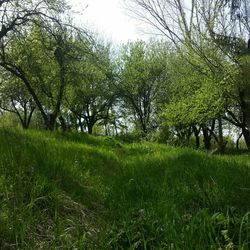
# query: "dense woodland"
[[189, 87], [141, 183]]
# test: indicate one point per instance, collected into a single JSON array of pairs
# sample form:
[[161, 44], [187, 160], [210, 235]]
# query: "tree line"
[[192, 83]]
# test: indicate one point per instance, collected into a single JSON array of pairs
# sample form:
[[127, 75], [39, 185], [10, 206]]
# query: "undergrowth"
[[74, 191]]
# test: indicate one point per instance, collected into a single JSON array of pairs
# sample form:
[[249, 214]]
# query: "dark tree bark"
[[207, 134], [220, 140], [206, 138], [63, 124], [238, 140], [80, 123], [27, 117], [90, 126], [245, 118], [246, 135], [197, 137]]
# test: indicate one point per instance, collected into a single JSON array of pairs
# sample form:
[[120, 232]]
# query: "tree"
[[16, 14], [92, 92], [14, 98], [143, 78], [198, 96], [18, 22], [42, 59], [220, 25]]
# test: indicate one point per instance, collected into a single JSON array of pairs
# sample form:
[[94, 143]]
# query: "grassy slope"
[[76, 191]]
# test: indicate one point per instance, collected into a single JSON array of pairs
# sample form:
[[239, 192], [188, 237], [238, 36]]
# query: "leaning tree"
[[221, 26]]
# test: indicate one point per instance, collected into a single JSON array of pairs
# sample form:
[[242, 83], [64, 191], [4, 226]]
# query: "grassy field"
[[73, 191]]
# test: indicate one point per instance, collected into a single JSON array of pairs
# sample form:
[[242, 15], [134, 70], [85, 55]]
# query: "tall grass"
[[73, 191]]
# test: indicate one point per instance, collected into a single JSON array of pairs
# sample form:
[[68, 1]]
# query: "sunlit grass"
[[74, 191]]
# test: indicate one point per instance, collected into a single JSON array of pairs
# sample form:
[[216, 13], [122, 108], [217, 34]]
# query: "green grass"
[[74, 191]]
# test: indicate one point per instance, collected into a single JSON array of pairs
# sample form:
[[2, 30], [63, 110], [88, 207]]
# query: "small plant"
[[140, 230]]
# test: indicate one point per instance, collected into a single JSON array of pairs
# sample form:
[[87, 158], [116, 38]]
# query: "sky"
[[109, 18]]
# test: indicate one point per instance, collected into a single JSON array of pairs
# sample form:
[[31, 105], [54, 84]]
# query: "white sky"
[[109, 18]]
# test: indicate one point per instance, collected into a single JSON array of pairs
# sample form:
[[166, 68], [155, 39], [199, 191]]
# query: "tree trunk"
[[79, 124], [221, 142], [116, 129], [90, 129], [63, 123], [144, 129], [245, 109], [238, 140], [246, 135], [106, 129], [51, 123], [197, 137], [90, 126], [206, 138], [25, 126]]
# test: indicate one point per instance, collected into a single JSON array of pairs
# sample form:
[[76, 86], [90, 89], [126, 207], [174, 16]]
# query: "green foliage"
[[15, 98], [72, 190], [91, 93], [198, 92], [143, 85]]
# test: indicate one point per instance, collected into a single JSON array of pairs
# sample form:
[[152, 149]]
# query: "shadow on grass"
[[81, 171], [189, 179]]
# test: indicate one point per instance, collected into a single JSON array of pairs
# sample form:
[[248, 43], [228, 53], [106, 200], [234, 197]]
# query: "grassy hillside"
[[73, 191]]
